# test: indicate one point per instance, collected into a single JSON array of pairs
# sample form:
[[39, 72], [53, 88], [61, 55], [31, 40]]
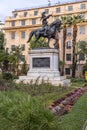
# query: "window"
[[22, 34], [58, 10], [69, 44], [23, 47], [22, 57], [13, 23], [68, 57], [83, 6], [12, 35], [33, 21], [70, 8], [35, 13], [15, 15], [81, 42], [67, 71], [13, 47], [83, 15], [25, 14], [82, 29], [56, 17], [81, 57], [46, 11], [23, 22], [69, 31]]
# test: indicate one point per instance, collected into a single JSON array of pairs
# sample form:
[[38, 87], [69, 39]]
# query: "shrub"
[[19, 111], [41, 43], [24, 68], [78, 80], [84, 68], [7, 75]]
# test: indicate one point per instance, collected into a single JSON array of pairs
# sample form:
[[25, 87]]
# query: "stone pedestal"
[[44, 67]]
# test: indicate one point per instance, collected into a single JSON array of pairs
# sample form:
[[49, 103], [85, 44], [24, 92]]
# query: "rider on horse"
[[47, 31], [45, 26]]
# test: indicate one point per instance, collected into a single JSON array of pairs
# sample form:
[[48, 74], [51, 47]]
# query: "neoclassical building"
[[1, 26], [19, 25]]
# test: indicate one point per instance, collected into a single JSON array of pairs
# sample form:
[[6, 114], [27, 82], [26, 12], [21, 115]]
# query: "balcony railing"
[[52, 4]]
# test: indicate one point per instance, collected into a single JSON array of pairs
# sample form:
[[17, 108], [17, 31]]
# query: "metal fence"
[[51, 4]]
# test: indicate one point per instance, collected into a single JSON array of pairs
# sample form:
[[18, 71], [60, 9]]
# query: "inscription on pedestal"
[[43, 62]]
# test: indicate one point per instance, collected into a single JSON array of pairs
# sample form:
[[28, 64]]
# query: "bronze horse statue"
[[52, 29]]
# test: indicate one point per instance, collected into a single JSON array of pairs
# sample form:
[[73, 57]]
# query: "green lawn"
[[24, 107], [15, 110], [78, 82], [76, 117]]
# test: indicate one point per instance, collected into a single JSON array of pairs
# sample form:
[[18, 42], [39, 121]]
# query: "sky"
[[7, 6]]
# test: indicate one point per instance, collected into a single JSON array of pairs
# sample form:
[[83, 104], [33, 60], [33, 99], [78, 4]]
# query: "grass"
[[15, 104], [46, 92], [50, 97], [76, 117], [77, 82], [15, 110], [20, 111]]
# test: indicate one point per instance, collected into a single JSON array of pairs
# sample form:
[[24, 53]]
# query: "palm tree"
[[66, 22], [75, 20], [83, 48], [71, 21], [83, 51]]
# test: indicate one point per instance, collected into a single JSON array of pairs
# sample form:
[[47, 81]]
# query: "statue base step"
[[56, 81]]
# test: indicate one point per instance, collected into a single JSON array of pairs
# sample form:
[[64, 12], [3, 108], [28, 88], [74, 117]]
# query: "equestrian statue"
[[47, 31]]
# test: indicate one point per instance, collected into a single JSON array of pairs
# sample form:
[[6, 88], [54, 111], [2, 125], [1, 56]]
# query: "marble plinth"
[[44, 67]]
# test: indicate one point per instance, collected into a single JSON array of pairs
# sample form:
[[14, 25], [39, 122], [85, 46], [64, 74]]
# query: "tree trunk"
[[74, 59], [74, 66], [64, 45]]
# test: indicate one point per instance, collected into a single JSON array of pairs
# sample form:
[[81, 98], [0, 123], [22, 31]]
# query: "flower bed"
[[63, 105]]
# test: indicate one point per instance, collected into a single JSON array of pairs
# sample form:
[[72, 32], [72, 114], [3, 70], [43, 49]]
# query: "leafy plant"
[[15, 59], [84, 68], [41, 43], [24, 68], [83, 47], [19, 111], [7, 75], [61, 66]]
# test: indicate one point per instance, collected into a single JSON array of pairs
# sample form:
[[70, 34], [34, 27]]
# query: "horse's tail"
[[30, 36]]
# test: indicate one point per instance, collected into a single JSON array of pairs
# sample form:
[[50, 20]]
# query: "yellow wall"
[[28, 27]]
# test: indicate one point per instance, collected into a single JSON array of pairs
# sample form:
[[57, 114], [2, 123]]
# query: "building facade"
[[23, 21], [1, 26]]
